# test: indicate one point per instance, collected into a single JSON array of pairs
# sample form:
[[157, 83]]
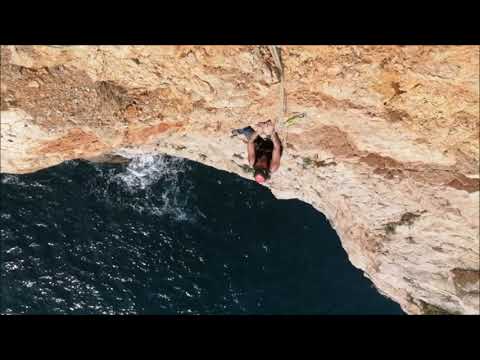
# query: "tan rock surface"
[[388, 150]]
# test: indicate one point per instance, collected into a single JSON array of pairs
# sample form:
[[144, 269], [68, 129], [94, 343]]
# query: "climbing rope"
[[279, 125], [276, 55], [282, 125]]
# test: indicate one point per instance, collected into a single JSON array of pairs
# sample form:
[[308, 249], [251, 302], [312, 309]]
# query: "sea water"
[[163, 235]]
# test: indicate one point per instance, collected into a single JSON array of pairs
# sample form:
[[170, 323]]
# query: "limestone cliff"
[[388, 149]]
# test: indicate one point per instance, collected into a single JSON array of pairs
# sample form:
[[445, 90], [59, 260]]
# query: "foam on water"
[[142, 173], [147, 169]]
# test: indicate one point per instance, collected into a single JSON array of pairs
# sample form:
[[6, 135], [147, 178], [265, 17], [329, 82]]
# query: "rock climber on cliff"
[[263, 153]]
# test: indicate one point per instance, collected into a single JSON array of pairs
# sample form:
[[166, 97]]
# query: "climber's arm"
[[251, 148], [277, 152]]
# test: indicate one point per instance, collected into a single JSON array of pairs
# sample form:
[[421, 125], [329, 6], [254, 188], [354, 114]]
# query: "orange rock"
[[397, 127]]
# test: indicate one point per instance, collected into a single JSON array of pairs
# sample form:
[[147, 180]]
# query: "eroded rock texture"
[[388, 150]]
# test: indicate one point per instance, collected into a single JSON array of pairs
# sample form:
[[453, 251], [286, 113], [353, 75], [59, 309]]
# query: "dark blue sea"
[[164, 235]]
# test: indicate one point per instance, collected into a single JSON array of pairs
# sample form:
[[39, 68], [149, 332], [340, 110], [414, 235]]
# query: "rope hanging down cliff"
[[282, 123], [276, 55]]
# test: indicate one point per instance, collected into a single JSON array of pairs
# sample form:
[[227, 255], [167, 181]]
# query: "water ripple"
[[166, 236]]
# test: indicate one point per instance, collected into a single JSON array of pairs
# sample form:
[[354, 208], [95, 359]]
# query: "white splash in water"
[[145, 170]]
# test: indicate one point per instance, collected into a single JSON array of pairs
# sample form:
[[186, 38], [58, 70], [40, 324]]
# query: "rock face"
[[388, 149]]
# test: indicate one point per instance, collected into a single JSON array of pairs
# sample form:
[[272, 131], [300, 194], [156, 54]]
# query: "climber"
[[263, 154]]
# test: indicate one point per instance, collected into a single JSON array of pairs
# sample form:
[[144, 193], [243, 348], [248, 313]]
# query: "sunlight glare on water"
[[164, 235]]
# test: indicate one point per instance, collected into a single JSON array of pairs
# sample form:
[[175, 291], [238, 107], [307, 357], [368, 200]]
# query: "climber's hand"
[[265, 127], [261, 128], [268, 129]]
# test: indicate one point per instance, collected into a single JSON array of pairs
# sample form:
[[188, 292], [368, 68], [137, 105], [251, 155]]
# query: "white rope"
[[275, 51], [279, 123]]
